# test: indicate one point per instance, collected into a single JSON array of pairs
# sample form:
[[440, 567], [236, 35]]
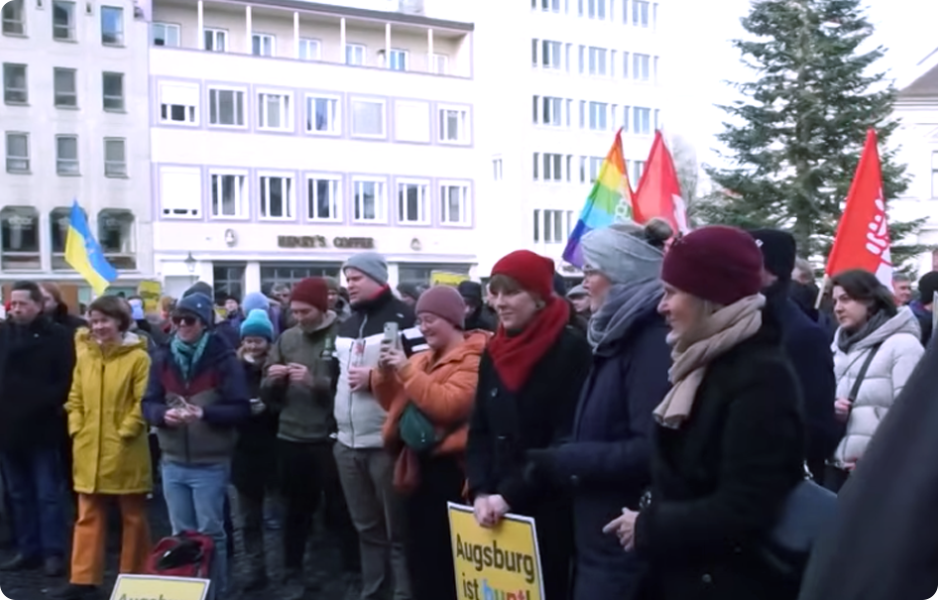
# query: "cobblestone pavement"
[[322, 565]]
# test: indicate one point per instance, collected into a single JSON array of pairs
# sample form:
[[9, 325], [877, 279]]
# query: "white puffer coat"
[[895, 360]]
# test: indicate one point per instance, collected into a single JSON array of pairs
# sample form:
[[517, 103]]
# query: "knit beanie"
[[312, 291], [197, 304], [332, 283], [410, 290], [577, 292], [445, 302], [927, 286], [257, 324], [371, 264], [200, 287], [716, 263], [535, 273], [621, 256], [471, 292], [779, 251], [255, 300]]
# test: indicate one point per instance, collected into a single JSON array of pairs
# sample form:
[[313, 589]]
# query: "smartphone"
[[391, 333]]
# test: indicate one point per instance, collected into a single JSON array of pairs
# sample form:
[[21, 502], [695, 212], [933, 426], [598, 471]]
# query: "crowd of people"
[[653, 420]]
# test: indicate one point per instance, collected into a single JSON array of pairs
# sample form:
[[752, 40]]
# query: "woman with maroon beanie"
[[529, 383], [729, 441]]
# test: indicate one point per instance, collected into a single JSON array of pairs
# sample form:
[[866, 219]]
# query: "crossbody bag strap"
[[862, 374]]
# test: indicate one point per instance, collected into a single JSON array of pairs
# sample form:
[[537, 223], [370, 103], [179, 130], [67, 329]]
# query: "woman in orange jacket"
[[429, 400]]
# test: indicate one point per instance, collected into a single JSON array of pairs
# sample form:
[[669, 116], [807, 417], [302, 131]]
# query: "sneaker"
[[21, 563], [74, 591]]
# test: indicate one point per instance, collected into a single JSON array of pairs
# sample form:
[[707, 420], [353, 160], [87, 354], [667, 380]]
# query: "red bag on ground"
[[188, 554]]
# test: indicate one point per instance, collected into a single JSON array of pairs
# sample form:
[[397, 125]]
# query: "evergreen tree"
[[797, 137]]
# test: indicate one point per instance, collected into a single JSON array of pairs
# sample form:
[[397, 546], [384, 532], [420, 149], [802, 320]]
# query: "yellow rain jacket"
[[111, 451]]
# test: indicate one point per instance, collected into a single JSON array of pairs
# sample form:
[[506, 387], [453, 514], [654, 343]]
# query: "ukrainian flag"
[[85, 255]]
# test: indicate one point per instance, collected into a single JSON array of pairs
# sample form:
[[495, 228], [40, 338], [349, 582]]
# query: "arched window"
[[19, 230], [116, 236]]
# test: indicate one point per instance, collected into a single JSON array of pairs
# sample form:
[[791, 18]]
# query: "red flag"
[[659, 191], [862, 240]]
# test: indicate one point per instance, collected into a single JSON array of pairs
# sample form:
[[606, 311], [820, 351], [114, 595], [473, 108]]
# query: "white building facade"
[[74, 125], [288, 135]]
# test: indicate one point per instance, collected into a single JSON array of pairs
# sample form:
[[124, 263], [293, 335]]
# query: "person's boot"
[[53, 567], [21, 563], [257, 579], [74, 591]]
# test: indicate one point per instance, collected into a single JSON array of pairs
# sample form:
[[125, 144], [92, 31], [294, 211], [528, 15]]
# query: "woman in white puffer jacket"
[[869, 322]]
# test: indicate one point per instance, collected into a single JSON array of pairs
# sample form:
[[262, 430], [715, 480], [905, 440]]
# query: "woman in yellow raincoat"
[[111, 454]]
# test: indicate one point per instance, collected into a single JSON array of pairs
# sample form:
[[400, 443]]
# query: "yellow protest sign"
[[144, 587], [150, 291], [445, 278], [502, 563]]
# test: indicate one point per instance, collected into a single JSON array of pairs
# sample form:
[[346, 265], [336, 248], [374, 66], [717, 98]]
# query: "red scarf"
[[515, 356]]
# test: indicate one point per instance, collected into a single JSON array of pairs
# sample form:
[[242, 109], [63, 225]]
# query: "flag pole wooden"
[[820, 294]]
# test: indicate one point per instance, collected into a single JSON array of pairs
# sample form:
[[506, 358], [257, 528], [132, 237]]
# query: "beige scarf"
[[696, 349]]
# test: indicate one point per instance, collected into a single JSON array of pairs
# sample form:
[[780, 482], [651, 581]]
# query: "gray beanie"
[[371, 264], [620, 255]]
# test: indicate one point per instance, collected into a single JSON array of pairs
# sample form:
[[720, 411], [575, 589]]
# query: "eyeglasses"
[[186, 320]]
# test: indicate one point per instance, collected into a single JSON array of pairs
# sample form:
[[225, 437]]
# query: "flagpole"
[[820, 293]]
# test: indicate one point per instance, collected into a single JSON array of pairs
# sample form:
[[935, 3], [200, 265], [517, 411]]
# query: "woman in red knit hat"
[[729, 443], [529, 383]]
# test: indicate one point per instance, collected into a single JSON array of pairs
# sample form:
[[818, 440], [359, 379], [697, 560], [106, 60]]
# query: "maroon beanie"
[[717, 263], [445, 302], [535, 273], [313, 291]]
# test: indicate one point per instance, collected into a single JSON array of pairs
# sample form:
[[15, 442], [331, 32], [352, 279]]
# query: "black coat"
[[36, 363], [720, 480], [255, 454]]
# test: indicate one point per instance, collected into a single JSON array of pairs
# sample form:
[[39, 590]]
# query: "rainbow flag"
[[609, 201], [84, 254]]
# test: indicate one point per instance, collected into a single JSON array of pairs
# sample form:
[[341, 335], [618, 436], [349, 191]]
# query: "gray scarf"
[[626, 305], [846, 340]]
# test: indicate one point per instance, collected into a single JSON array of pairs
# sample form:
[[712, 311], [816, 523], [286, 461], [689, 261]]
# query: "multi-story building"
[[74, 127], [287, 135]]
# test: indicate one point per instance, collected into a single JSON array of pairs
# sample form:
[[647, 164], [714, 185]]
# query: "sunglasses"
[[186, 320]]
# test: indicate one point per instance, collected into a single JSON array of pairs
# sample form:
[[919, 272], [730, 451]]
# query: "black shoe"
[[22, 563], [293, 588], [74, 591], [256, 582], [53, 567]]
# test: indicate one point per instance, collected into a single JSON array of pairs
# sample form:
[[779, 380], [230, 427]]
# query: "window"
[[582, 59], [216, 40], [59, 220], [165, 34], [274, 111], [934, 170], [598, 114], [582, 114], [115, 157], [596, 9], [63, 20], [596, 163], [368, 118], [597, 61], [226, 107], [641, 67], [291, 273], [412, 122], [116, 236], [66, 94], [112, 26], [263, 44], [398, 60], [17, 148], [640, 13], [19, 230], [551, 54], [179, 102], [536, 162], [551, 226], [180, 192], [625, 119], [13, 18], [229, 195], [113, 87], [324, 199], [310, 49], [534, 52], [228, 279], [14, 84], [551, 111], [641, 120], [454, 125], [553, 167], [625, 65], [657, 119], [355, 54], [322, 115], [440, 64], [638, 168], [369, 200], [66, 154], [276, 192], [412, 202], [454, 204], [497, 169], [549, 5]]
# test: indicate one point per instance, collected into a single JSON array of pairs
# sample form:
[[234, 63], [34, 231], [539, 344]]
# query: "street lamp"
[[190, 264]]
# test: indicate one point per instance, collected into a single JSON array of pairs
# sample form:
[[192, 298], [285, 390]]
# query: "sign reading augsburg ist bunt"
[[152, 587], [320, 241]]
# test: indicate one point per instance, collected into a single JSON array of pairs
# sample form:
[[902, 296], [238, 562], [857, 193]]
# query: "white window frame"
[[640, 16], [263, 44], [595, 166], [551, 107], [466, 204], [384, 117], [309, 114], [217, 35], [191, 112], [213, 91], [120, 32], [598, 57], [310, 49], [311, 200], [286, 107], [599, 116], [550, 220], [381, 199], [10, 91], [16, 163], [167, 28], [551, 55], [643, 114], [359, 51], [553, 167], [440, 63], [70, 28], [62, 164], [115, 168], [241, 191], [263, 195], [400, 55], [549, 5], [71, 95], [15, 24], [117, 103], [424, 208], [641, 67], [497, 168], [462, 135]]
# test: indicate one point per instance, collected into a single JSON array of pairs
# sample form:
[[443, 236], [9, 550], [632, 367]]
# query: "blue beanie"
[[257, 324], [199, 305], [255, 300]]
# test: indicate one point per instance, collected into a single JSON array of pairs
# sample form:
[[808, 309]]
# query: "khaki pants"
[[88, 546], [377, 512]]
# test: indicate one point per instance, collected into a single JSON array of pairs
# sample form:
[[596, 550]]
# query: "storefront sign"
[[354, 242], [320, 241], [140, 587], [446, 278]]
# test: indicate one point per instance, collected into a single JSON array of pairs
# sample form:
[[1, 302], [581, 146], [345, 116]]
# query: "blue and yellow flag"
[[85, 255]]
